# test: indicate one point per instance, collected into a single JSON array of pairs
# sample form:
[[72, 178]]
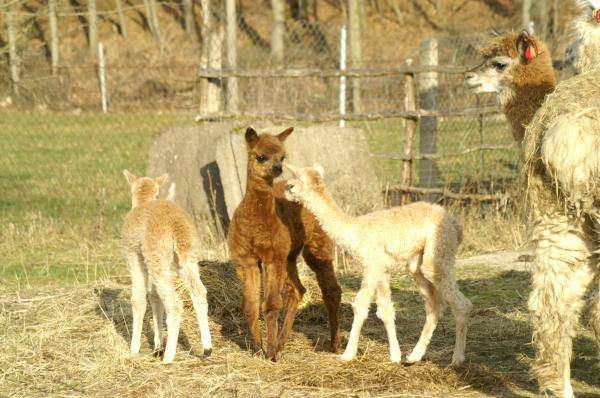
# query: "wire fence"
[[162, 59]]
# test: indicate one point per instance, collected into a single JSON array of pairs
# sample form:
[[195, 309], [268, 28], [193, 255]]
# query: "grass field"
[[64, 288]]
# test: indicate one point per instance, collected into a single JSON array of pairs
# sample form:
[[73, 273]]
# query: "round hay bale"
[[343, 152]]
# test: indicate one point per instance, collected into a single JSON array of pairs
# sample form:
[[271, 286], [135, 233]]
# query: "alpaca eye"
[[283, 158], [499, 66], [261, 158]]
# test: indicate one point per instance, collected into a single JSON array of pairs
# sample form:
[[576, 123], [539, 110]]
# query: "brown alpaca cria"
[[267, 233]]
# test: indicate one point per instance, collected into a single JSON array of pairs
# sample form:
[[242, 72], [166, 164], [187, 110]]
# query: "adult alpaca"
[[267, 233], [422, 236], [561, 142]]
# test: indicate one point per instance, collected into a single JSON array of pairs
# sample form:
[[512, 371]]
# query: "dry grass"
[[74, 342]]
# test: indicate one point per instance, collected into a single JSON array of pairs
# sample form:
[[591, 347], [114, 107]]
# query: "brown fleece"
[[267, 233]]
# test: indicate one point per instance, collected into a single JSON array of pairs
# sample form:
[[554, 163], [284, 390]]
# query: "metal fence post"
[[13, 58]]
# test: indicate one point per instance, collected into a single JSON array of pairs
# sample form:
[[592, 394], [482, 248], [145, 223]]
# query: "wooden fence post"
[[53, 35], [410, 105], [428, 89], [13, 58], [122, 19], [232, 87], [93, 27]]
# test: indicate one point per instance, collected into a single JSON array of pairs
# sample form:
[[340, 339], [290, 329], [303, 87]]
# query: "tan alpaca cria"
[[421, 236], [562, 166], [159, 242]]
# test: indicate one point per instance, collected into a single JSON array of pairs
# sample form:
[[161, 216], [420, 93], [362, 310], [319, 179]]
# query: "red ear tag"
[[528, 54]]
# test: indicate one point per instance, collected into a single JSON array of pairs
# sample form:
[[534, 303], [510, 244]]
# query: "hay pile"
[[74, 342]]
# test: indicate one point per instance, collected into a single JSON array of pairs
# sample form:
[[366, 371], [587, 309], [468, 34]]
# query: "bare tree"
[[355, 45], [122, 19], [92, 27], [53, 35], [278, 31]]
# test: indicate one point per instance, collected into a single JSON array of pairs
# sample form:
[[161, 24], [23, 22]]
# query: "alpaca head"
[[591, 11], [305, 181], [266, 153], [144, 189], [511, 64]]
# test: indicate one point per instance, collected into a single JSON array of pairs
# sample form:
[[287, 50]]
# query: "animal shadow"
[[114, 304]]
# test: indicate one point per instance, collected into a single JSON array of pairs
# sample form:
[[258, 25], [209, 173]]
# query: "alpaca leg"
[[434, 309], [560, 277], [322, 265], [360, 306], [385, 312], [595, 315], [273, 277], [294, 291], [174, 309], [249, 274], [461, 308], [139, 279], [191, 278], [157, 318]]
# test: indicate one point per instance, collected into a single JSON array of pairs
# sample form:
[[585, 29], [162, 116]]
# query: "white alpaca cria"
[[159, 242], [421, 236]]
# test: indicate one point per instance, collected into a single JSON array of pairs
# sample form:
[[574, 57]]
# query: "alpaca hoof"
[[408, 363], [207, 352], [346, 357], [395, 358], [457, 361], [167, 361]]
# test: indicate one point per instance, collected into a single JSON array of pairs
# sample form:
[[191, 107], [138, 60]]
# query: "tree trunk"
[[12, 51], [278, 32], [211, 57], [93, 27], [153, 18], [53, 35], [526, 13], [122, 19], [188, 10], [232, 90]]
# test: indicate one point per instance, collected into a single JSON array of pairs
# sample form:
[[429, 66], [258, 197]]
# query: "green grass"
[[64, 197], [63, 194]]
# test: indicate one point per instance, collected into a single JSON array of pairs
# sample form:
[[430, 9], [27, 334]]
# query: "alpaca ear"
[[285, 133], [161, 180], [527, 47], [319, 169], [130, 177], [251, 137]]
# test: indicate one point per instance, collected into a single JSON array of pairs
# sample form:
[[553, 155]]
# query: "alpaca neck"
[[337, 224], [526, 94], [259, 194], [140, 200]]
